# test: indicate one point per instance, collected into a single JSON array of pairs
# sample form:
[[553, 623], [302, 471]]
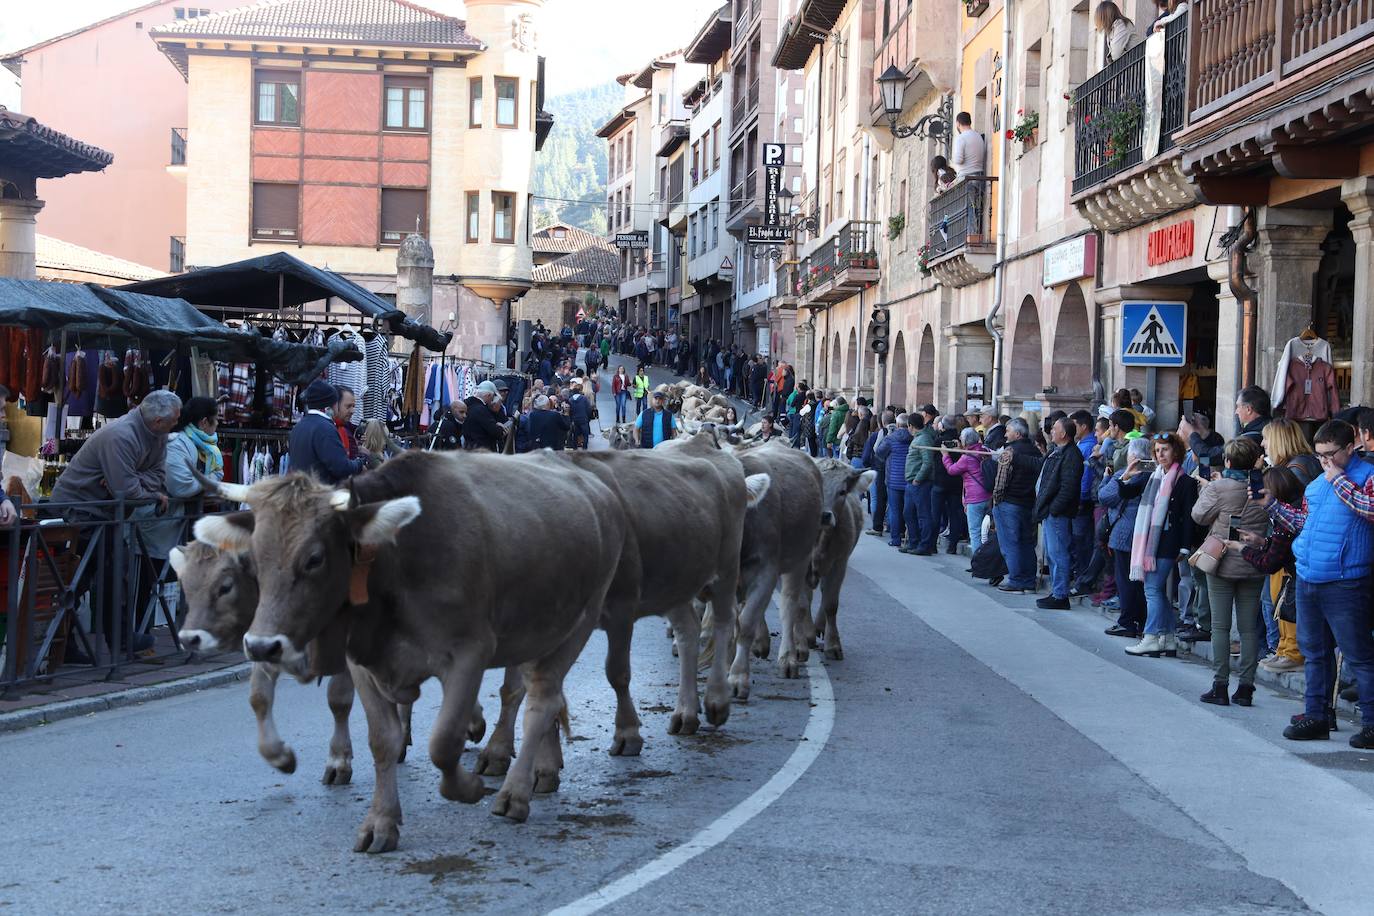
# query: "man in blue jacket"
[[315, 444], [892, 452], [1334, 549]]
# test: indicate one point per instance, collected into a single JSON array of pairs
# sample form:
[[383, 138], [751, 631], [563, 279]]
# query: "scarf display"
[[1149, 521], [207, 446]]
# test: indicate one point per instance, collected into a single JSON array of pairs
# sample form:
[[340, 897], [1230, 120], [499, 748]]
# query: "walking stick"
[[1336, 685]]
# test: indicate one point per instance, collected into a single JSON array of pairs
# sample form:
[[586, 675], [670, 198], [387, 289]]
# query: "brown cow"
[[424, 560], [842, 520]]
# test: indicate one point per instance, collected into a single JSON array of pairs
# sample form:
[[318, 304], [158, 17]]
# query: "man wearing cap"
[[580, 412], [315, 444], [656, 424], [548, 427], [483, 431]]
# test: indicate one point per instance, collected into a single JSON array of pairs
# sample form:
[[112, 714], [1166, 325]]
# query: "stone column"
[[1284, 261], [968, 350], [1229, 342], [19, 238], [1358, 194], [415, 283]]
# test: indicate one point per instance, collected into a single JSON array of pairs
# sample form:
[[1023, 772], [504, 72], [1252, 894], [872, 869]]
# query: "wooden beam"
[[1249, 191], [1327, 161]]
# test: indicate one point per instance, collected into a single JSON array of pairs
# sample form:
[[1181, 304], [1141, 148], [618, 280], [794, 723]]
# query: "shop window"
[[475, 102], [507, 102], [406, 103], [276, 211], [279, 95], [474, 210], [403, 212], [503, 217]]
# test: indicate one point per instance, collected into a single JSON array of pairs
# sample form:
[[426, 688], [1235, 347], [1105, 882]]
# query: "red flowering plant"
[[1024, 131]]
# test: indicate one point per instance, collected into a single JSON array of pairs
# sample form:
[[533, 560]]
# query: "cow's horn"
[[340, 499], [235, 492]]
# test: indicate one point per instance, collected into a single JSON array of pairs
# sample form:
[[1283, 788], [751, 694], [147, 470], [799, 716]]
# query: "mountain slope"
[[572, 165]]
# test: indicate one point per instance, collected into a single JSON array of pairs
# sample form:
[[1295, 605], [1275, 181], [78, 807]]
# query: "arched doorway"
[[825, 365], [1027, 357], [1071, 369], [851, 359], [832, 380], [896, 394], [925, 369]]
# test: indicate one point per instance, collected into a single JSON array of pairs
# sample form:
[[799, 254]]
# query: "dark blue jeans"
[[1331, 615], [1057, 530], [896, 506], [927, 514], [1016, 538], [1131, 594], [1083, 540]]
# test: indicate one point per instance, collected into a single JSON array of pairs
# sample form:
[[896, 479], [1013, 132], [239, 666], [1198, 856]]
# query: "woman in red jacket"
[[620, 387]]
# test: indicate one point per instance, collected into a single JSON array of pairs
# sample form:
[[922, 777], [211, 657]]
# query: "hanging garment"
[[1311, 392], [236, 389], [413, 400], [377, 369], [1296, 348], [1188, 388], [354, 377], [204, 379]]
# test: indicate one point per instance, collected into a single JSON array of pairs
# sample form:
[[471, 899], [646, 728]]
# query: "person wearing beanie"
[[315, 444]]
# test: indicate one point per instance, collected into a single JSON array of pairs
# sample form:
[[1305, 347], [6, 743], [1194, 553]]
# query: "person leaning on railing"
[[1119, 33]]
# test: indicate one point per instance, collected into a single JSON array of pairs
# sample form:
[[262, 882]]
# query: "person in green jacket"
[[919, 509], [639, 389], [605, 350], [834, 425]]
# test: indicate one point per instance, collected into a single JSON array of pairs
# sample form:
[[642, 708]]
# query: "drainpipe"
[[999, 284], [1246, 295]]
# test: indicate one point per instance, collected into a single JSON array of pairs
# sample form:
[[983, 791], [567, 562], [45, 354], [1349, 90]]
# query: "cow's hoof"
[[377, 834], [763, 647], [461, 786], [627, 745], [675, 648], [788, 666], [477, 730], [811, 643], [516, 809], [717, 711], [684, 724], [545, 782], [834, 653], [803, 654], [338, 772], [284, 760], [739, 689], [492, 763]]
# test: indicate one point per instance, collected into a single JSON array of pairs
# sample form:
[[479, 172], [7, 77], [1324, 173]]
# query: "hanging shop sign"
[[766, 235], [774, 154], [1152, 333], [635, 241], [1071, 260], [1172, 243]]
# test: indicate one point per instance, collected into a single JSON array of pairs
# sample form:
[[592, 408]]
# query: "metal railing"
[[65, 558], [1109, 110], [178, 146], [1243, 47], [854, 241], [959, 216]]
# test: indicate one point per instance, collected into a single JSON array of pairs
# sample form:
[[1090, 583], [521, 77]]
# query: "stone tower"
[[415, 279]]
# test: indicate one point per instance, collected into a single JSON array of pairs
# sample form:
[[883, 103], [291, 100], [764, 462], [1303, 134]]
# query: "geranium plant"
[[1024, 131]]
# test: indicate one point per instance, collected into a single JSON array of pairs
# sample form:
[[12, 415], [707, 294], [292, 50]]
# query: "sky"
[[587, 42]]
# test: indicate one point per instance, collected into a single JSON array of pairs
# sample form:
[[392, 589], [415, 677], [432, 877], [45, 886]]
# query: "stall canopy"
[[156, 321], [275, 281]]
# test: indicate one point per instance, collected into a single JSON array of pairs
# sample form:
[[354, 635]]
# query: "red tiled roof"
[[572, 239], [595, 264], [389, 22]]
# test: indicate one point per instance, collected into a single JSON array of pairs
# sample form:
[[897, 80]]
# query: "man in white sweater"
[[970, 149]]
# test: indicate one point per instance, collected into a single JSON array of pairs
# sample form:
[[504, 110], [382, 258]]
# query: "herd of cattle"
[[414, 573]]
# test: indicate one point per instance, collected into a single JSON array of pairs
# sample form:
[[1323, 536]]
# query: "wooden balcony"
[[844, 264], [1276, 86]]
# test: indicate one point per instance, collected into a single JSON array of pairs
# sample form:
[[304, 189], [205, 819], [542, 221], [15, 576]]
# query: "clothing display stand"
[[1305, 381]]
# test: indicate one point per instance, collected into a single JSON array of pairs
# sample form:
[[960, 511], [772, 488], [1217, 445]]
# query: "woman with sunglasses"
[[1162, 535]]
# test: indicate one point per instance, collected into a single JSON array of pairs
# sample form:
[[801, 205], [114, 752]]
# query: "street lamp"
[[929, 127], [810, 224]]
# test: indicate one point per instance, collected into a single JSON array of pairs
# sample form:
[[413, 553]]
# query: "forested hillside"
[[572, 164]]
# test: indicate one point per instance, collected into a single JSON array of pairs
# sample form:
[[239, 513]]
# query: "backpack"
[[988, 472]]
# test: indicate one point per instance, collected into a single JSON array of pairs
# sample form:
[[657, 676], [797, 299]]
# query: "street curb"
[[71, 709]]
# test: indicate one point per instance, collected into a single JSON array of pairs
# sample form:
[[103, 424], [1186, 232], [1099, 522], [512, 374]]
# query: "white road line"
[[813, 741]]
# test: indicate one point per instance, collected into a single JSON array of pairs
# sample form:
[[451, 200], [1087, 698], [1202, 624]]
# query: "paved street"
[[969, 755]]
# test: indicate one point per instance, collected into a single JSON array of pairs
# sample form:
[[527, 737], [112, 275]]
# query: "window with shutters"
[[503, 217], [406, 103], [475, 102], [507, 101], [279, 95], [276, 211], [403, 212], [474, 210]]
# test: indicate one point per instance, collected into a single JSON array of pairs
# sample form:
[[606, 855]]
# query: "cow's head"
[[620, 436], [839, 483], [306, 541], [221, 595]]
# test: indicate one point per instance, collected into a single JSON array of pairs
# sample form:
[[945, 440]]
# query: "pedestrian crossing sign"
[[1153, 333]]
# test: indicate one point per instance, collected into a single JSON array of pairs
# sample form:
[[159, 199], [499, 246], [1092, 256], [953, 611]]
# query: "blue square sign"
[[1153, 333]]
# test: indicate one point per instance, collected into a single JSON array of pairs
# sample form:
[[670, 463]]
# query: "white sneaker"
[[1281, 663], [1149, 645]]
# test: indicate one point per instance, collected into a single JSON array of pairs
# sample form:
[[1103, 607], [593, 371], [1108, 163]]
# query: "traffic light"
[[878, 329]]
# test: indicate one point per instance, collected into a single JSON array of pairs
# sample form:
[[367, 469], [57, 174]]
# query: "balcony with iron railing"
[[841, 266], [958, 247], [1113, 107]]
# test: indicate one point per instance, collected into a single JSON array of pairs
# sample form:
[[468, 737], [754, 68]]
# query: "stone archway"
[[1027, 356], [834, 377], [851, 359], [1071, 368], [819, 381], [896, 394], [925, 369]]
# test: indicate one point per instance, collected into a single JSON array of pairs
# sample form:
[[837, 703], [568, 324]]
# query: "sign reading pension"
[[1152, 333], [774, 154], [638, 240]]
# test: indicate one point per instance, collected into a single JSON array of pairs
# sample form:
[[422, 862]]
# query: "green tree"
[[570, 172]]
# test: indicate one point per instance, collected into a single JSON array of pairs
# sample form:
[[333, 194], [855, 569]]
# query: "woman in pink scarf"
[[1163, 535]]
